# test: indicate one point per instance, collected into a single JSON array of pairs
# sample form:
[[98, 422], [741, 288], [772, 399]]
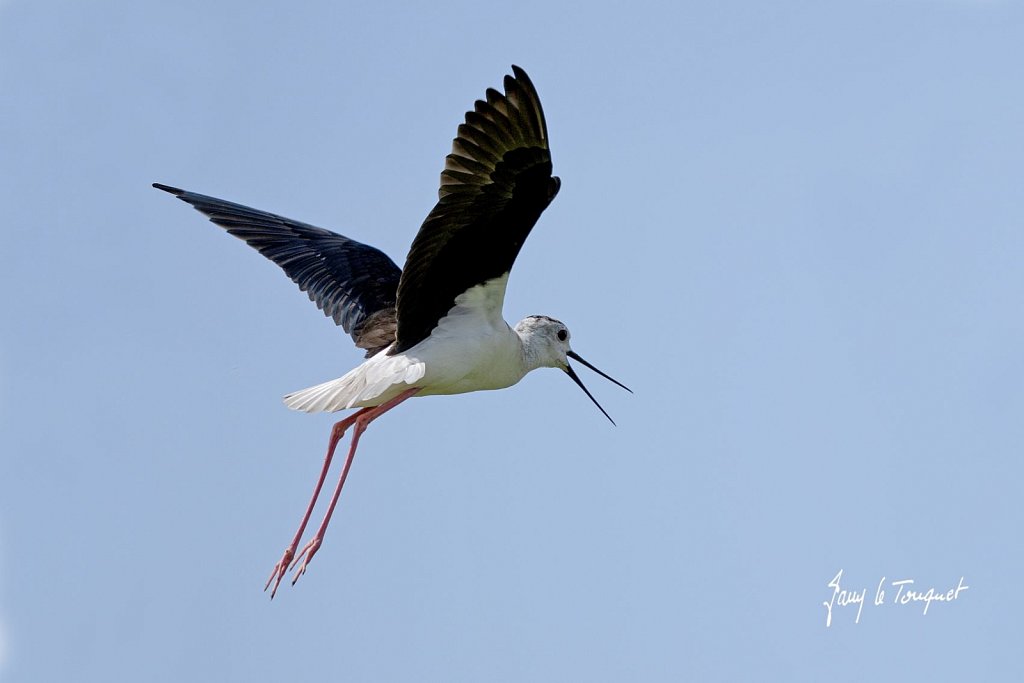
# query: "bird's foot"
[[280, 569], [306, 555]]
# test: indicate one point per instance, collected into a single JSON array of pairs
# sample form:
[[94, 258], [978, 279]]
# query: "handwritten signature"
[[906, 593]]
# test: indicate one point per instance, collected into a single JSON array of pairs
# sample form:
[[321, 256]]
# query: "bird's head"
[[546, 343]]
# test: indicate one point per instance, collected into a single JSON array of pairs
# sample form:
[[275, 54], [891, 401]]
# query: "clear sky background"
[[793, 228]]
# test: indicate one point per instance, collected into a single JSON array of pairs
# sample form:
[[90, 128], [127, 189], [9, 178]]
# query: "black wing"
[[495, 184], [352, 283]]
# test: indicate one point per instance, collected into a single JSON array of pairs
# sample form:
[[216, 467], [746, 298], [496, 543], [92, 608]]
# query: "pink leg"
[[362, 420], [281, 568]]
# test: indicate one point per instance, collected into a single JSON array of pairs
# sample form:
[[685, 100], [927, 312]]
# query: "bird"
[[436, 326]]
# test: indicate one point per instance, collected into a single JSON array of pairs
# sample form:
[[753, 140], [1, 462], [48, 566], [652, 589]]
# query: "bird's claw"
[[280, 569], [306, 555]]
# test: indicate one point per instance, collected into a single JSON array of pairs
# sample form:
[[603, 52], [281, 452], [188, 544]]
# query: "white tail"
[[377, 380]]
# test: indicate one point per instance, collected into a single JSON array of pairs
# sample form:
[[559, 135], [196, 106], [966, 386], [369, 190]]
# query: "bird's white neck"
[[536, 351]]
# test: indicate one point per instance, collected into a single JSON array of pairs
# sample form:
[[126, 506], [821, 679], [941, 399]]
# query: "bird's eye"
[[562, 334]]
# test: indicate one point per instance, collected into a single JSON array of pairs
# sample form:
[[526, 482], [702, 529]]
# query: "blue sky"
[[793, 228]]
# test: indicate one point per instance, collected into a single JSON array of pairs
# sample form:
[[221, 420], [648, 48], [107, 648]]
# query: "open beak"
[[575, 378]]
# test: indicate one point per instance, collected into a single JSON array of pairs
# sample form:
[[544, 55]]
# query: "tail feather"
[[367, 385], [323, 398]]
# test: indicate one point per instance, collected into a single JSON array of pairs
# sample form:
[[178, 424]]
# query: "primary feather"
[[353, 283]]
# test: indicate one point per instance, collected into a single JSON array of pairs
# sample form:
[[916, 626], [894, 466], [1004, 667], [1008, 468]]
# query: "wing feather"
[[354, 284], [495, 184]]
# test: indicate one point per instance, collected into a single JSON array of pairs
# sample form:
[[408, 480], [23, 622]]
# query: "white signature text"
[[906, 592]]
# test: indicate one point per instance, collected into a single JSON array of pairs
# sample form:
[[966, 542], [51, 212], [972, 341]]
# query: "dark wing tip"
[[503, 133], [177, 192], [520, 73], [554, 185]]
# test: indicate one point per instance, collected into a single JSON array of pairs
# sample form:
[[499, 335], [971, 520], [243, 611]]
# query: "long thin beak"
[[575, 378], [576, 357]]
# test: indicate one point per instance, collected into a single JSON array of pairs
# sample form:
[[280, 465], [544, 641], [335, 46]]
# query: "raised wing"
[[353, 283], [495, 184]]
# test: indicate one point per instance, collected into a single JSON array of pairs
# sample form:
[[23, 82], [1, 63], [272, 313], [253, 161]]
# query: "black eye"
[[562, 334]]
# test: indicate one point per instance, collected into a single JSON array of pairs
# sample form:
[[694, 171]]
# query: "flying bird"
[[436, 326]]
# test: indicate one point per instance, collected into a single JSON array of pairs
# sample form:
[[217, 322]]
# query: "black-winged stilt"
[[435, 327]]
